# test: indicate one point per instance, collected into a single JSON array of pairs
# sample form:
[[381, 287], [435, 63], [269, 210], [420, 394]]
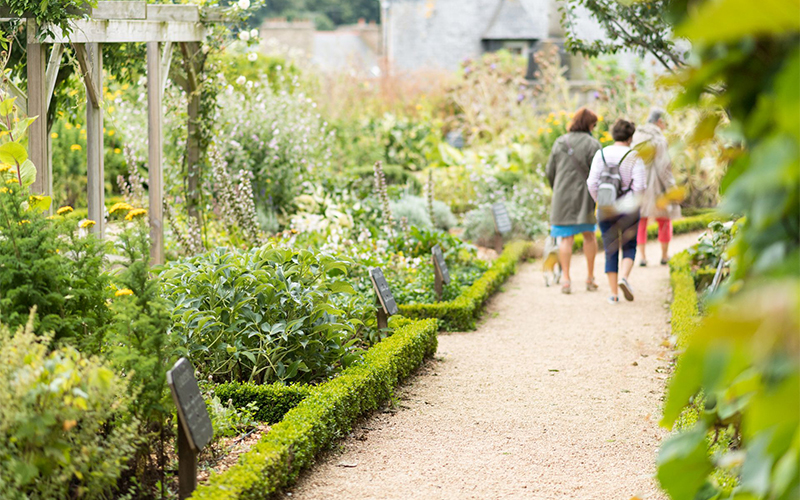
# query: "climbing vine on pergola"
[[162, 28]]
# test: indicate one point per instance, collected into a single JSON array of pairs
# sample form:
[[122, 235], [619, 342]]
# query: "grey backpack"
[[610, 189]]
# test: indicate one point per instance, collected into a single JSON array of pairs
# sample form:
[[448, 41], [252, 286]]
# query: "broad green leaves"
[[730, 20]]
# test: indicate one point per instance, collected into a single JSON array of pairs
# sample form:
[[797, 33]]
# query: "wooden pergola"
[[160, 27]]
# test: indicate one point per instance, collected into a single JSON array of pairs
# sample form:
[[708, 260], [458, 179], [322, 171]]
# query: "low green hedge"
[[680, 226], [684, 311], [323, 416], [273, 400], [460, 314]]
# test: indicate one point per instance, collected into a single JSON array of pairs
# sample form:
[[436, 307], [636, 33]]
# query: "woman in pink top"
[[619, 230]]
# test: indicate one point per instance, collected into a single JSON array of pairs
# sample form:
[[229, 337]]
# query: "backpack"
[[610, 189]]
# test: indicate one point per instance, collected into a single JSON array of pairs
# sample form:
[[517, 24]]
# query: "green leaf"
[[28, 173], [12, 153], [729, 20], [341, 287], [7, 106], [22, 126], [683, 464], [40, 203]]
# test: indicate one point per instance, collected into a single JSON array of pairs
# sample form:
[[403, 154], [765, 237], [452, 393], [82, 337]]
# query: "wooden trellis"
[[160, 27]]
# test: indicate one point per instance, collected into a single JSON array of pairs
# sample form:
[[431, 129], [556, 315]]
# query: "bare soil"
[[553, 397]]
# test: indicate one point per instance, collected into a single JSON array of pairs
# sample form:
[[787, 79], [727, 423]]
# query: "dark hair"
[[622, 130], [583, 120]]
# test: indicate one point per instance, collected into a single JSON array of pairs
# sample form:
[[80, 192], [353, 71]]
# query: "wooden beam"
[[119, 10], [94, 141], [85, 62], [166, 62], [155, 153], [37, 106], [51, 74], [121, 31], [173, 13]]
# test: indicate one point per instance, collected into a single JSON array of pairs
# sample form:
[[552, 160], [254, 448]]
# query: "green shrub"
[[395, 175], [265, 315], [273, 401], [684, 311], [65, 428], [324, 416], [415, 210], [52, 265], [460, 314]]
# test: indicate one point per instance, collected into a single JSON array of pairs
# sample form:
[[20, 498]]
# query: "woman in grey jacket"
[[572, 209]]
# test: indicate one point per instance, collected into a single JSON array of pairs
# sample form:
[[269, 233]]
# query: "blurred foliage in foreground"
[[745, 356]]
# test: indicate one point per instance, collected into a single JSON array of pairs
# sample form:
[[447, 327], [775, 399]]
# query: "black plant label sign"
[[501, 219], [192, 411], [382, 289], [438, 260]]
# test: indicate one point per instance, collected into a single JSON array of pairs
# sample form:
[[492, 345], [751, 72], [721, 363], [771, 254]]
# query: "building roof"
[[511, 21]]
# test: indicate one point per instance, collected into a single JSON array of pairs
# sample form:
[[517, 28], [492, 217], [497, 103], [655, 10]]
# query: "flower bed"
[[460, 314], [326, 414]]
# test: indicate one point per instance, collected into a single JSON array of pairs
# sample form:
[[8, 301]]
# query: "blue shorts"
[[571, 230]]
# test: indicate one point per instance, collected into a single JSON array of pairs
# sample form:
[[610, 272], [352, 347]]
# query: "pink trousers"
[[664, 230]]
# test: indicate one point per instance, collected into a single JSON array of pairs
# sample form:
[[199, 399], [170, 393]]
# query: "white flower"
[[241, 80], [243, 4], [244, 36], [252, 56], [254, 33]]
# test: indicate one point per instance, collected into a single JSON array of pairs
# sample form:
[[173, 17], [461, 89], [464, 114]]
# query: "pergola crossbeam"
[[126, 31], [51, 73], [95, 94]]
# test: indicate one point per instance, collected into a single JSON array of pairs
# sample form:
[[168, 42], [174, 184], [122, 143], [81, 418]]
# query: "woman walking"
[[654, 150], [619, 225], [572, 209]]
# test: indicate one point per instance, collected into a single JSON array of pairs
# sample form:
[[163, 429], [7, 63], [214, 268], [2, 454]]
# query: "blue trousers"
[[619, 233]]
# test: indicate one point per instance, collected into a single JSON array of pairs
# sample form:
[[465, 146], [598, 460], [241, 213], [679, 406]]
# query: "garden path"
[[553, 397]]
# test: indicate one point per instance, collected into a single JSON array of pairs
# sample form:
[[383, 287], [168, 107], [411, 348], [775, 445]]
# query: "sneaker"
[[642, 263], [664, 262], [626, 289], [613, 299]]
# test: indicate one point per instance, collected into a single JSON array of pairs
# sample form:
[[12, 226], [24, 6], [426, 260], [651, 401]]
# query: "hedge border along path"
[[460, 314], [684, 310], [680, 226], [323, 416]]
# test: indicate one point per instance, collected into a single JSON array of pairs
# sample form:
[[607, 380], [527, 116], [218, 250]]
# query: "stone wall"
[[297, 35]]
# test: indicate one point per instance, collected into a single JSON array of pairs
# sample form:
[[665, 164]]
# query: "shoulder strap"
[[630, 186]]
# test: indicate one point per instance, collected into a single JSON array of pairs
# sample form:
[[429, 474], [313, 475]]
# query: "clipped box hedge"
[[460, 314], [273, 400], [679, 226], [684, 311], [326, 414]]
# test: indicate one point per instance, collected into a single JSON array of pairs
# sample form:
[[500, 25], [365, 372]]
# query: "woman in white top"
[[619, 230]]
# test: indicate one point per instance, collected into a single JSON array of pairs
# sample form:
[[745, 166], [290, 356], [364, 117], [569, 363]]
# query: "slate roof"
[[511, 21]]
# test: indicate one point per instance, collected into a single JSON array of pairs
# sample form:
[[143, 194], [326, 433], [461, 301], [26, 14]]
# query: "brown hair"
[[583, 121], [622, 130]]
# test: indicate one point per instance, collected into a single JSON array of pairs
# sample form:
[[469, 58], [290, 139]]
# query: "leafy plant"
[[65, 429], [265, 315]]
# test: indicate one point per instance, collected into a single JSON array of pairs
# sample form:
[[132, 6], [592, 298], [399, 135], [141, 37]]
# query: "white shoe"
[[613, 300], [626, 289]]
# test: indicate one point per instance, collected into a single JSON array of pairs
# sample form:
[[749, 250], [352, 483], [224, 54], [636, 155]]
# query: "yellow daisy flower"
[[64, 210], [120, 206], [136, 212], [123, 292], [54, 135], [87, 223], [75, 147], [12, 180], [4, 168]]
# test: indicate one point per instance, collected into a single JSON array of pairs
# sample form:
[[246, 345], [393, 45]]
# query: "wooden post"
[[438, 280], [498, 242], [383, 319], [155, 153], [190, 52], [37, 106], [187, 464], [95, 153]]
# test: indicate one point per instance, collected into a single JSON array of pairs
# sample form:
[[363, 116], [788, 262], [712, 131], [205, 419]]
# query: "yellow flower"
[[136, 212], [77, 125], [117, 151], [64, 210], [111, 132], [68, 126], [599, 118], [120, 206], [540, 131], [51, 217], [4, 168], [557, 123], [122, 292], [87, 223], [549, 130], [24, 221], [12, 180], [125, 86], [75, 147], [4, 133], [54, 135], [111, 110], [3, 189]]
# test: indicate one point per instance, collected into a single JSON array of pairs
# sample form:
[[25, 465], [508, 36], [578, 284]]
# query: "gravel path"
[[552, 397]]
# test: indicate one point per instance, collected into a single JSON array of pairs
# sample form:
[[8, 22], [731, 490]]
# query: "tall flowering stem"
[[429, 192], [383, 194], [235, 200]]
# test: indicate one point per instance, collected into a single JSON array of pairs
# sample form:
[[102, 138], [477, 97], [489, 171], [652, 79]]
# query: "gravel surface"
[[554, 396]]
